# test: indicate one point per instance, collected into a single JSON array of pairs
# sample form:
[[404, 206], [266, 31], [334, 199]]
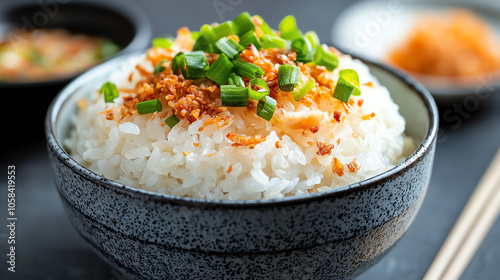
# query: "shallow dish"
[[373, 28], [336, 234]]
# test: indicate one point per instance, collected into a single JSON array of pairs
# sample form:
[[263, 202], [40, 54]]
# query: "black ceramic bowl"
[[124, 24], [336, 234]]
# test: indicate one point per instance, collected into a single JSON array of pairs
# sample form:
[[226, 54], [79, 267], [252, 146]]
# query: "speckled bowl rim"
[[66, 92]]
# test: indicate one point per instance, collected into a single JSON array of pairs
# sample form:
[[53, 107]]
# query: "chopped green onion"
[[197, 65], [220, 70], [302, 46], [244, 23], [263, 26], [248, 70], [302, 89], [202, 44], [225, 29], [288, 28], [150, 106], [352, 77], [159, 67], [250, 38], [172, 121], [235, 80], [313, 38], [325, 58], [288, 77], [163, 42], [195, 35], [304, 49], [266, 107], [234, 96], [258, 94], [192, 65], [37, 58], [108, 49], [305, 58], [229, 47], [209, 34], [272, 42], [110, 91], [178, 62], [347, 85]]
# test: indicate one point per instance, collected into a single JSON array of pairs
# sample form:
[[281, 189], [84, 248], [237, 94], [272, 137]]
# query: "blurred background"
[[49, 248]]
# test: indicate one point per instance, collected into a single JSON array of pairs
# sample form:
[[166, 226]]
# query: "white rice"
[[141, 152]]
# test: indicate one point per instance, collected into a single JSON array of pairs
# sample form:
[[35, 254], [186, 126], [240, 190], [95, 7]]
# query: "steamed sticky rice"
[[315, 144]]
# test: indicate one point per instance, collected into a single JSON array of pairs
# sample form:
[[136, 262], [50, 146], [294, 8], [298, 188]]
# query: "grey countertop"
[[49, 248]]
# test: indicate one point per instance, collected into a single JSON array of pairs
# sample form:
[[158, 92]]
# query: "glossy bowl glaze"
[[330, 235]]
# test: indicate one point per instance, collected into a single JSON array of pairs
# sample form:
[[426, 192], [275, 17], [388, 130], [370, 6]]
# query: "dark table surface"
[[47, 246]]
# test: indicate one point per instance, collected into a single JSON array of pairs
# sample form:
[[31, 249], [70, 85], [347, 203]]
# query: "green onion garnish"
[[197, 65], [264, 27], [288, 28], [234, 96], [288, 77], [208, 33], [302, 89], [250, 38], [229, 47], [305, 58], [108, 49], [150, 106], [244, 23], [220, 70], [202, 44], [110, 91], [325, 58], [178, 62], [313, 38], [248, 70], [272, 42], [302, 46], [172, 121], [195, 35], [159, 67], [235, 80], [258, 94], [347, 85], [266, 107], [163, 42], [37, 58], [352, 77], [225, 29], [192, 65]]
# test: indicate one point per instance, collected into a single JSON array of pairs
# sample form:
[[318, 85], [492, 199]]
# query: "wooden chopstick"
[[471, 227]]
